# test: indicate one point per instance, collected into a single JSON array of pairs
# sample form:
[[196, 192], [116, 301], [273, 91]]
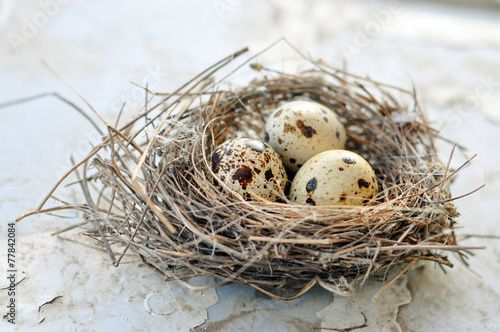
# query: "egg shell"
[[335, 177], [247, 166], [300, 129]]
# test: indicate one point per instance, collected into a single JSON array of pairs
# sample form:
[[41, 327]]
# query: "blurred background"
[[447, 50]]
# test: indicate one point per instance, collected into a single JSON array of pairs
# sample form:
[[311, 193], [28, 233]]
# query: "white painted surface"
[[450, 54]]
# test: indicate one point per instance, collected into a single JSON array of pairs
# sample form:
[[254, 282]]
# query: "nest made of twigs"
[[152, 191]]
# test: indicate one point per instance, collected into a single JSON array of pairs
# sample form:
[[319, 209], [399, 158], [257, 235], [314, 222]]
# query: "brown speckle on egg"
[[310, 201], [311, 185], [216, 158], [244, 176], [307, 131], [363, 183], [289, 128]]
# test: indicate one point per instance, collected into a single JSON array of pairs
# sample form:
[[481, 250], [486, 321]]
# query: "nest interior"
[[150, 189]]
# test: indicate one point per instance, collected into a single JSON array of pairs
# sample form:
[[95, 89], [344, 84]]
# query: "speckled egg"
[[248, 165], [335, 177], [300, 129]]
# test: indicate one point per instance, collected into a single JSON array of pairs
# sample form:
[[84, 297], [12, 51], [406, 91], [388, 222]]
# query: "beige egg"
[[301, 129], [248, 165], [335, 177]]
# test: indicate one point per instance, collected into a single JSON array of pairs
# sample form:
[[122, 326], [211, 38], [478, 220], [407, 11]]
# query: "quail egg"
[[335, 177], [301, 129], [249, 167]]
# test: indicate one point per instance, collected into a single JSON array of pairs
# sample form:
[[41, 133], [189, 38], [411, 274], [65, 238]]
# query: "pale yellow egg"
[[300, 129], [335, 177], [249, 167]]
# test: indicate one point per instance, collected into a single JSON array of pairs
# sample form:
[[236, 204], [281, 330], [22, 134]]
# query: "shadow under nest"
[[151, 189]]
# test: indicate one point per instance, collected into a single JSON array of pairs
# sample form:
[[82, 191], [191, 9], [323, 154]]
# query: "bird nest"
[[149, 187]]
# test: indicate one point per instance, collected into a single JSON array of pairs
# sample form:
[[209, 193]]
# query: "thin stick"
[[390, 282], [295, 241], [62, 78], [58, 96]]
